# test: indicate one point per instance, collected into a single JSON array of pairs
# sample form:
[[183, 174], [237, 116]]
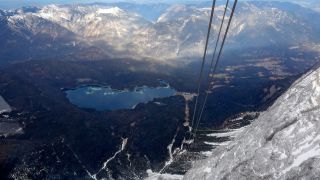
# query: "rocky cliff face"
[[283, 143]]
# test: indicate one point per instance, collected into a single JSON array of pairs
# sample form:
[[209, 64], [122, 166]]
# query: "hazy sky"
[[9, 4], [15, 3]]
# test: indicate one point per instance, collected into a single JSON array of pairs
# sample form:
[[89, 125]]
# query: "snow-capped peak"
[[115, 11]]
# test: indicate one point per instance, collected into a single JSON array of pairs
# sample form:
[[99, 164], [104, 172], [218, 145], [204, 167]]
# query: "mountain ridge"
[[177, 34]]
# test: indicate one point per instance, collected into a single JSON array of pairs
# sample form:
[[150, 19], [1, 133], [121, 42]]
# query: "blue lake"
[[106, 98]]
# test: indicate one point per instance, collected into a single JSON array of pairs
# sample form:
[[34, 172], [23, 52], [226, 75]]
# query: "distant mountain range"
[[154, 31]]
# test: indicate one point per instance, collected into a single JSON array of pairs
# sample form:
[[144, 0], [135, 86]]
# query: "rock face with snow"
[[283, 143], [4, 106], [25, 36]]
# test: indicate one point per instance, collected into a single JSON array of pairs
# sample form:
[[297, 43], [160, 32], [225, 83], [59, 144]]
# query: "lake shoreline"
[[102, 97]]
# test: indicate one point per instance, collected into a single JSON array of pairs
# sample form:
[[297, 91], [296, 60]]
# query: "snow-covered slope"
[[283, 143]]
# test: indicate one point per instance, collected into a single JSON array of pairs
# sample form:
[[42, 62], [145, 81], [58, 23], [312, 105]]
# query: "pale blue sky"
[[10, 4], [42, 2]]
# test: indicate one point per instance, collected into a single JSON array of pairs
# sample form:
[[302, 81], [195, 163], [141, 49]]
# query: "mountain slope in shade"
[[283, 143]]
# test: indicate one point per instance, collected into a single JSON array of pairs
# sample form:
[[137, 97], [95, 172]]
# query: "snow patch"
[[105, 164], [207, 153], [231, 133], [217, 143], [115, 11], [158, 176]]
